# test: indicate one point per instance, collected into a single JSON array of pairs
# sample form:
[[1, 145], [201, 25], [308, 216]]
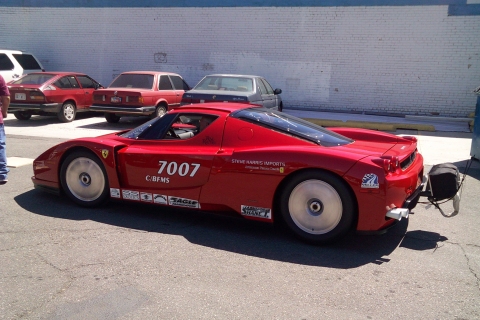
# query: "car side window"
[[86, 82], [179, 83], [261, 86], [267, 86], [188, 125], [63, 83], [164, 83], [5, 62]]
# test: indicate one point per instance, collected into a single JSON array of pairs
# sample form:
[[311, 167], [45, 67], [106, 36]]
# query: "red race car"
[[255, 162]]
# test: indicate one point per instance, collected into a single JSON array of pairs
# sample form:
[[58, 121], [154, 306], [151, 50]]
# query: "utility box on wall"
[[475, 151]]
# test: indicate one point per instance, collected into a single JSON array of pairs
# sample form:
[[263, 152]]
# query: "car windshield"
[[225, 83], [292, 125], [129, 80], [34, 78]]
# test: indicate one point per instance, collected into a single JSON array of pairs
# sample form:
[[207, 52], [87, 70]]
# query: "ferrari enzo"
[[257, 163]]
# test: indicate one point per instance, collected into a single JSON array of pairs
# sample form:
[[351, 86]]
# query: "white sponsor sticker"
[[147, 197], [265, 213], [130, 195], [160, 199], [114, 193], [182, 202]]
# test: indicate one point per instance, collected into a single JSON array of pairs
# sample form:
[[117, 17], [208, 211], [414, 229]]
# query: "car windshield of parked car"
[[131, 80], [34, 78], [225, 83], [292, 125]]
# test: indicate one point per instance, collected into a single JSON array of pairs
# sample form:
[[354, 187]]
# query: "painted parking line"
[[15, 162]]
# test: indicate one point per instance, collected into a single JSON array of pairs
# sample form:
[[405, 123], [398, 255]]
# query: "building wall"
[[408, 59]]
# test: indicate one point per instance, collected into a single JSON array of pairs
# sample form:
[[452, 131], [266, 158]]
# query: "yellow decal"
[[104, 153], [282, 169]]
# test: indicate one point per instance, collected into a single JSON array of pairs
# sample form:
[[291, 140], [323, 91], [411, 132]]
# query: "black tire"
[[159, 111], [317, 207], [67, 112], [112, 118], [22, 115], [84, 179]]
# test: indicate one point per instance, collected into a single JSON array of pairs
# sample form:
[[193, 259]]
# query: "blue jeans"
[[3, 154]]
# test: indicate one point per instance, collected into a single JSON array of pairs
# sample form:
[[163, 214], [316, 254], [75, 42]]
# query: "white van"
[[14, 64]]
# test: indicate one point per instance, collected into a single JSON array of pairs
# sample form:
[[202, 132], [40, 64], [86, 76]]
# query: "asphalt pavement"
[[138, 261]]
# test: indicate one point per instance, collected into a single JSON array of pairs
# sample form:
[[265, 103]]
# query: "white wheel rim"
[[160, 112], [69, 112], [315, 207], [85, 179]]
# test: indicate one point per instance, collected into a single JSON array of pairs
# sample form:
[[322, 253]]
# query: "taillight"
[[134, 99], [389, 163], [36, 95], [99, 97]]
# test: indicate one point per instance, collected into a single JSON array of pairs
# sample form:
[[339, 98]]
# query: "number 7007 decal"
[[182, 169]]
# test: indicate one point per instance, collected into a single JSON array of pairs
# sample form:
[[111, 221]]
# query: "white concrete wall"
[[406, 59]]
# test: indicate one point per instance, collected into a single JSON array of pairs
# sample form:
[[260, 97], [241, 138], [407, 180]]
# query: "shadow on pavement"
[[226, 233]]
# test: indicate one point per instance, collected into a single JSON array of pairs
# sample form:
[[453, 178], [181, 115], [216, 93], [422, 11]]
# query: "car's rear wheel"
[[160, 111], [67, 112], [84, 179], [22, 115], [112, 118], [317, 206]]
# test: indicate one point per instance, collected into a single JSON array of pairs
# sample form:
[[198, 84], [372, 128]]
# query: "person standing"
[[4, 103]]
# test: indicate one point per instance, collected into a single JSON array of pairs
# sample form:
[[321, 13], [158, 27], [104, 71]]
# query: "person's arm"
[[5, 104]]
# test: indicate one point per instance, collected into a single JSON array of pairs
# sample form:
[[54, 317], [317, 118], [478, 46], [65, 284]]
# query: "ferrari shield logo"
[[104, 153]]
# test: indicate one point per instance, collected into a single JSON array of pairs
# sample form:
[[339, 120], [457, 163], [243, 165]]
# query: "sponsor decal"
[[182, 202], [256, 212], [104, 153], [277, 166], [370, 181], [130, 195], [160, 199], [114, 193], [144, 196], [158, 179]]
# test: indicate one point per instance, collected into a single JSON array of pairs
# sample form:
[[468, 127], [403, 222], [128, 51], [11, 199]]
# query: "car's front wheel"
[[67, 112], [112, 118], [317, 206], [84, 179], [22, 115]]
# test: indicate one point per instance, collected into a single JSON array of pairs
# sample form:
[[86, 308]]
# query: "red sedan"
[[255, 162], [51, 93], [140, 93]]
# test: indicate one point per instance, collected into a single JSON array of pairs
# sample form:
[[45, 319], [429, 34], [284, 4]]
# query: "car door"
[[268, 96], [179, 87], [70, 89], [88, 85], [165, 88], [167, 168]]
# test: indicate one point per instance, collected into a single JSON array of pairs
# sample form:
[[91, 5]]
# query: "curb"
[[382, 126]]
